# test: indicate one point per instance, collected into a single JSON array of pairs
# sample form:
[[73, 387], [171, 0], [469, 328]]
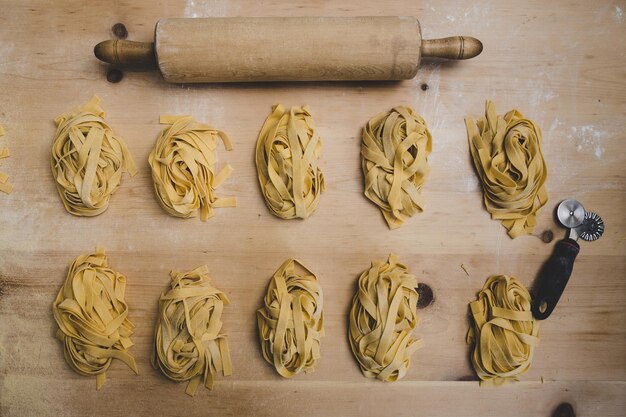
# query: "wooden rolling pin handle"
[[128, 53], [455, 47]]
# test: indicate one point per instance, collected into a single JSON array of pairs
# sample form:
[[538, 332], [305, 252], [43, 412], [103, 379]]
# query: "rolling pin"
[[240, 49]]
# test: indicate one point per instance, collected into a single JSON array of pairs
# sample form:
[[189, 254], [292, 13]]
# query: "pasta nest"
[[189, 344], [88, 160], [286, 159], [183, 168], [93, 317], [382, 319], [503, 332], [291, 320], [507, 156], [394, 159]]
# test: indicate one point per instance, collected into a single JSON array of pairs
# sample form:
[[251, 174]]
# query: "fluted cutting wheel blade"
[[592, 227]]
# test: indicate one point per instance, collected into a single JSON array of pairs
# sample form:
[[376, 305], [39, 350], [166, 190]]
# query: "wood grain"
[[561, 63]]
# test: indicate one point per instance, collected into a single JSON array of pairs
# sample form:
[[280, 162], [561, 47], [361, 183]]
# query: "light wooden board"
[[560, 62]]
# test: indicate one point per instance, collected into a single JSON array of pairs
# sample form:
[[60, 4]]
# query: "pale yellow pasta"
[[394, 159], [189, 343], [291, 320], [286, 160], [503, 334], [92, 316], [382, 319], [88, 160], [507, 156], [183, 168]]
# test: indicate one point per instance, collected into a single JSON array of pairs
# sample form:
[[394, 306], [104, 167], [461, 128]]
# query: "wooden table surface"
[[562, 63]]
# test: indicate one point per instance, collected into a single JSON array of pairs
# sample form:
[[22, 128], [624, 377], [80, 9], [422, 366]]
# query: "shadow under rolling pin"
[[241, 49]]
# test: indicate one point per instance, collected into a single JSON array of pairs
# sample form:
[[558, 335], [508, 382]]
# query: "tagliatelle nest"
[[183, 168], [382, 319], [286, 160], [88, 160], [189, 344], [291, 320], [394, 159], [507, 156], [92, 316], [504, 333]]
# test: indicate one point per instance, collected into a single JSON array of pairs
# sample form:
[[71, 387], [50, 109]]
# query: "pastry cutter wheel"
[[556, 271]]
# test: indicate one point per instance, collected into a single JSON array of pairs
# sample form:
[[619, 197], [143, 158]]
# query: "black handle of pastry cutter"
[[553, 278]]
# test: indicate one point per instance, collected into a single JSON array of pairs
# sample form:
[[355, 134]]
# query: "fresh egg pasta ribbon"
[[286, 160], [189, 344], [382, 319], [88, 160], [5, 186], [183, 168], [507, 156], [93, 317], [394, 158], [291, 320], [504, 333]]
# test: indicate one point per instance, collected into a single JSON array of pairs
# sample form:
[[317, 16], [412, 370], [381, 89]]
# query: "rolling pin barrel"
[[238, 49]]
